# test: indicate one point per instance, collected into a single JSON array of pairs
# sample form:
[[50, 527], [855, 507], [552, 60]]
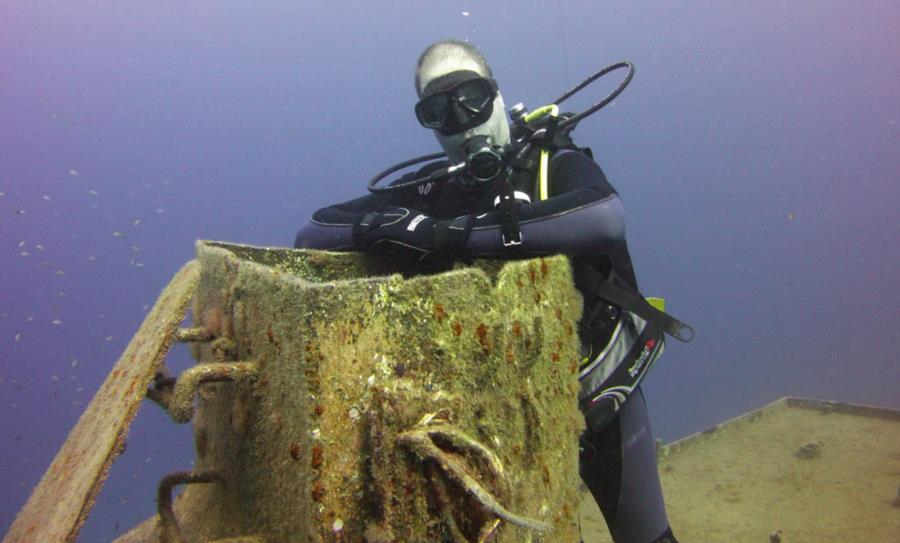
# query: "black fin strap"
[[361, 230], [451, 235], [441, 240], [593, 282]]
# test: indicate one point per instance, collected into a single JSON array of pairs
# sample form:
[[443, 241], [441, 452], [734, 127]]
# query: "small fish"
[[30, 318], [117, 234], [136, 222], [73, 173], [18, 336], [21, 244], [92, 258], [24, 253], [2, 194], [19, 212], [46, 198], [74, 362], [39, 247], [57, 322], [92, 192]]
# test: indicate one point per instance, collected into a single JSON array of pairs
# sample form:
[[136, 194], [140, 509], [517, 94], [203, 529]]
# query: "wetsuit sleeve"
[[583, 215], [332, 227]]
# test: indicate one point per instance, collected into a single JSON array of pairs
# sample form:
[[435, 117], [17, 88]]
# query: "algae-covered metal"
[[338, 399]]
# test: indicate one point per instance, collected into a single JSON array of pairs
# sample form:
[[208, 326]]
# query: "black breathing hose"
[[397, 167], [571, 121]]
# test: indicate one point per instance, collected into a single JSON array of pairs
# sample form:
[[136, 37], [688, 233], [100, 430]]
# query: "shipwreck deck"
[[806, 470]]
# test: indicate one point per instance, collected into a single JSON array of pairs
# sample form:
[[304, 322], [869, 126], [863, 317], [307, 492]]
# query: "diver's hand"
[[397, 226]]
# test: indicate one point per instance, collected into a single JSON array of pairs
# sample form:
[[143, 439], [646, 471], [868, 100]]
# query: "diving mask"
[[456, 102]]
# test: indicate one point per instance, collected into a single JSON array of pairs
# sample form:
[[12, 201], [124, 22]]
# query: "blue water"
[[757, 152]]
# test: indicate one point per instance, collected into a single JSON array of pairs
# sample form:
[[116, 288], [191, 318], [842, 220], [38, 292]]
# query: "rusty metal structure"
[[343, 397], [346, 398]]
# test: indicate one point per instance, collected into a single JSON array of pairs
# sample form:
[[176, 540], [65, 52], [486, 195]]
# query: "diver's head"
[[459, 99]]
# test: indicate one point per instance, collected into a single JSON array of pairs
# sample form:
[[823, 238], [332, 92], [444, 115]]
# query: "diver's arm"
[[316, 235], [331, 227], [583, 215], [583, 221]]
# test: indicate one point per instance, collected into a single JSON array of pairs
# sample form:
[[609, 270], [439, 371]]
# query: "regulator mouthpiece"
[[484, 161]]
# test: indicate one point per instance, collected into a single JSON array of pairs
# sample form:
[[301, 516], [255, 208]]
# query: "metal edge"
[[824, 406]]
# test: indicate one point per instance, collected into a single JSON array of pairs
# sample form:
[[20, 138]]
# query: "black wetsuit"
[[583, 218]]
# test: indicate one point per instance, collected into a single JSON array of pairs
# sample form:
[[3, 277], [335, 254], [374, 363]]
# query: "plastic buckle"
[[516, 240]]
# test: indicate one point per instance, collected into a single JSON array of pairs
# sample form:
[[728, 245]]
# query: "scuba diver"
[[483, 201]]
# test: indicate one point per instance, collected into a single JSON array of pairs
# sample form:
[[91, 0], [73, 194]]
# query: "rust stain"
[[318, 492], [544, 269], [295, 451], [439, 312], [316, 459], [457, 328], [517, 328], [482, 333]]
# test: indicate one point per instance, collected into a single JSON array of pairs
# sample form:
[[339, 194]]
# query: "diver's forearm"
[[595, 227], [316, 235]]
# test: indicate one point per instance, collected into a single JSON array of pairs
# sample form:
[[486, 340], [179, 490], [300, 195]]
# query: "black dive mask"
[[456, 102]]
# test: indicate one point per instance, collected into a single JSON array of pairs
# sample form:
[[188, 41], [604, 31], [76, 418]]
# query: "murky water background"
[[756, 153]]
